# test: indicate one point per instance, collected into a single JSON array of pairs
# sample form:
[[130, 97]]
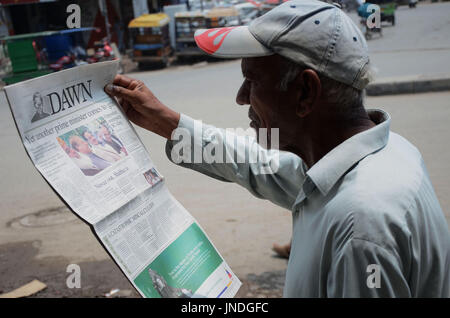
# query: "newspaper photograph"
[[83, 145]]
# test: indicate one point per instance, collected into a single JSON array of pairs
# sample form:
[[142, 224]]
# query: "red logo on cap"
[[206, 40]]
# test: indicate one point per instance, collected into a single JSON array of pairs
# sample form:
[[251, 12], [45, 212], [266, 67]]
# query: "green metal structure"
[[23, 58]]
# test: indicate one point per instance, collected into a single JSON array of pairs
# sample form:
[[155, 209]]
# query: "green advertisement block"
[[181, 268]]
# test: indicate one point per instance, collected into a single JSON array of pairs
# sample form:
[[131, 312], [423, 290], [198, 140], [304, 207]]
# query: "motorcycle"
[[63, 62], [103, 52], [79, 56], [75, 57]]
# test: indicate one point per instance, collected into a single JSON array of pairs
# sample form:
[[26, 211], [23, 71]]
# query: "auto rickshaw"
[[365, 12], [220, 17], [186, 23], [151, 42], [387, 8]]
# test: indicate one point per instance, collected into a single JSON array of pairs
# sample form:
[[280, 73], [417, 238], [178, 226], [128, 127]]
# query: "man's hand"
[[142, 107]]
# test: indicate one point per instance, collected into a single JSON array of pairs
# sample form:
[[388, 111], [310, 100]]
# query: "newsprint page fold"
[[86, 149]]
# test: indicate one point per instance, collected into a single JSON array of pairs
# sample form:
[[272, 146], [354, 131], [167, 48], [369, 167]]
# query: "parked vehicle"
[[186, 23], [365, 12], [248, 11], [387, 8], [151, 42], [63, 62], [221, 17], [103, 52], [412, 3], [369, 32]]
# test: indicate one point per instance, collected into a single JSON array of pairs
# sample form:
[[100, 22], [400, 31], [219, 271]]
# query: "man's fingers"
[[109, 89], [122, 80], [126, 82], [119, 91]]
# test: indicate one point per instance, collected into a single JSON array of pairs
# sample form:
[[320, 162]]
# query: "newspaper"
[[80, 141]]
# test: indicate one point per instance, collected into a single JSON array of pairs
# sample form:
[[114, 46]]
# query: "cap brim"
[[230, 42]]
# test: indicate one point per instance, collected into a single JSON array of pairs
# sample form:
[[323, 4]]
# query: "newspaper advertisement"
[[80, 141]]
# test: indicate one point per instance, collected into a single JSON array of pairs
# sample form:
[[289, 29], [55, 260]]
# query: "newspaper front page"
[[86, 149]]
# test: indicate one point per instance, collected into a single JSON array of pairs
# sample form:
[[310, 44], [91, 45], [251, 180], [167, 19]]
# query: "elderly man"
[[366, 220]]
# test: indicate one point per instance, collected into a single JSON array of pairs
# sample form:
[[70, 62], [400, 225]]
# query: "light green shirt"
[[366, 220]]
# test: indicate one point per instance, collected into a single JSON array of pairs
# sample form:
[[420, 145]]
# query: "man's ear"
[[311, 89]]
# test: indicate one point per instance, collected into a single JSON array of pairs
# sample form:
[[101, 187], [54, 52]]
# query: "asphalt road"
[[242, 227], [419, 43]]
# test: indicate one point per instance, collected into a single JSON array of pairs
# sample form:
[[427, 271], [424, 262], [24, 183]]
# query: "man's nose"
[[243, 95]]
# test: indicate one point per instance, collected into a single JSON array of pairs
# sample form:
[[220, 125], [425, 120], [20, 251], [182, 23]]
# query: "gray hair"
[[344, 98]]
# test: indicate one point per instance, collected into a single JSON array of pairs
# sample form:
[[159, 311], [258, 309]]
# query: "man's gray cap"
[[311, 33]]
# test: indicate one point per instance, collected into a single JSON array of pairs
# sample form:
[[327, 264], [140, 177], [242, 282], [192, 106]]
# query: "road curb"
[[409, 85]]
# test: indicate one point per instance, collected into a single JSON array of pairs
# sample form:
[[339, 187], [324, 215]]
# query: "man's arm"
[[270, 174], [276, 180]]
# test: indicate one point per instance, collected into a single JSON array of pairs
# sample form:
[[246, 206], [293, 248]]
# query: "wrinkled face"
[[90, 138], [106, 133], [270, 106]]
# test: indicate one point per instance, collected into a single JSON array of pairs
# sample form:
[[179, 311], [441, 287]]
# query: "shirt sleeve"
[[364, 269], [270, 174]]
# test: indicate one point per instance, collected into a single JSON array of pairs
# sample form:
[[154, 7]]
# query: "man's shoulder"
[[389, 179], [378, 196]]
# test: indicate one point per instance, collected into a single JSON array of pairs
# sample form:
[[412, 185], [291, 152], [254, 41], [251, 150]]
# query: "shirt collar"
[[328, 170]]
